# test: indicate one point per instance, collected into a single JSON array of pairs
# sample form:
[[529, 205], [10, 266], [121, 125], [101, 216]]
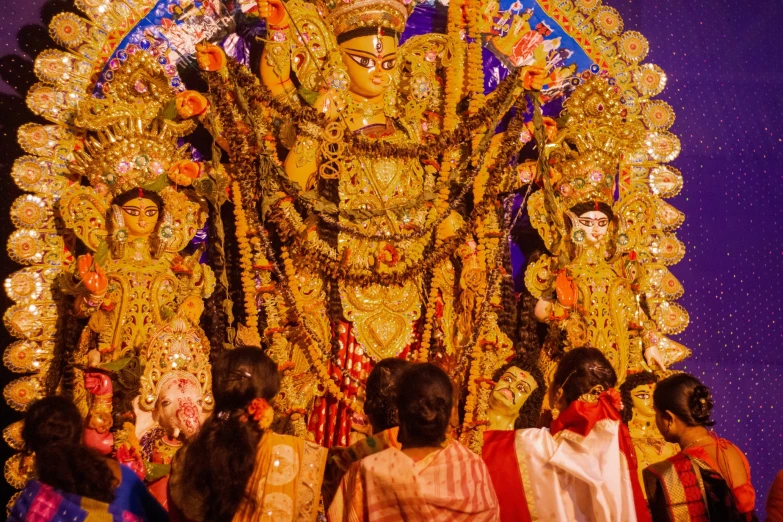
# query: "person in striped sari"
[[429, 478]]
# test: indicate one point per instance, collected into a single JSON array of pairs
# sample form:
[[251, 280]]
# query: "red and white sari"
[[583, 468], [449, 485]]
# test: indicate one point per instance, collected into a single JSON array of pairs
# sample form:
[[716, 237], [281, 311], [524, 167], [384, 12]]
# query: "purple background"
[[723, 85]]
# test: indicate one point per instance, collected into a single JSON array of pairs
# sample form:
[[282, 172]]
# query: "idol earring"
[[165, 235], [119, 236]]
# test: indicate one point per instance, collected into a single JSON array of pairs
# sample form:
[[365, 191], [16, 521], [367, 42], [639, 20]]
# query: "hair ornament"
[[239, 374], [593, 395], [223, 415], [261, 412]]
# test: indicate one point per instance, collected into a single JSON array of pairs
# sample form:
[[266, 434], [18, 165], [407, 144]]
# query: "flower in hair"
[[261, 412], [614, 398]]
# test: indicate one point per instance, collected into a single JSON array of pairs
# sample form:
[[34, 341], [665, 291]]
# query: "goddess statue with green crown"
[[338, 192]]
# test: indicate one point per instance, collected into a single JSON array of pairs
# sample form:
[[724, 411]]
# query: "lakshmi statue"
[[597, 286], [363, 117], [638, 413], [142, 294]]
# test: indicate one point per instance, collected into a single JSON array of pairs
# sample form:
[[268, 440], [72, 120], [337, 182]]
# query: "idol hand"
[[533, 78], [651, 354]]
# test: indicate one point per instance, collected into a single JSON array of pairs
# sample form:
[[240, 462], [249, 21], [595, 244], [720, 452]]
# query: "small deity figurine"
[[638, 413], [515, 401], [603, 274]]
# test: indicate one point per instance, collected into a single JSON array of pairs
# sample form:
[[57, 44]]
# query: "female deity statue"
[[368, 268], [602, 285], [142, 294], [639, 415]]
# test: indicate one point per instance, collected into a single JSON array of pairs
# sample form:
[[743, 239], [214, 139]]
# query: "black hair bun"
[[701, 405], [430, 410]]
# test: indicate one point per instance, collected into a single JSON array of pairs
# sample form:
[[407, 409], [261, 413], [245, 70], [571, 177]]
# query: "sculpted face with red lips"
[[179, 408]]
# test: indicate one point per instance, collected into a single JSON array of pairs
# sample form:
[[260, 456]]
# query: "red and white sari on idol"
[[582, 468], [448, 485]]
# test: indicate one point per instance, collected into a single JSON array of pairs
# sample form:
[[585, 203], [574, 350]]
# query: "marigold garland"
[[475, 58], [246, 259]]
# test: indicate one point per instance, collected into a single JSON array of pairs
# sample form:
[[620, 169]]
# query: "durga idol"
[[365, 195]]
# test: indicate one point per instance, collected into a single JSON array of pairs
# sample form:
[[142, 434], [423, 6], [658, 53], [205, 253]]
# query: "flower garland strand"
[[246, 259], [475, 57]]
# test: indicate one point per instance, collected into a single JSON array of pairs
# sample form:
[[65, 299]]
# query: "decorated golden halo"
[[589, 148], [128, 154]]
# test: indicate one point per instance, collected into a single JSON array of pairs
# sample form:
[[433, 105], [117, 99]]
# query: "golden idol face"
[[512, 390], [371, 61], [594, 224], [641, 398], [140, 216]]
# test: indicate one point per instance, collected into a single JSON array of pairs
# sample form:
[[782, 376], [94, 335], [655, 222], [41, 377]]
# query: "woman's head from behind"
[[220, 459], [424, 403], [579, 372], [381, 403], [53, 430], [52, 421], [681, 402], [241, 375]]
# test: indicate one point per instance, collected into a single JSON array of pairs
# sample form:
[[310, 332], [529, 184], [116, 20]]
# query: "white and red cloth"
[[582, 468]]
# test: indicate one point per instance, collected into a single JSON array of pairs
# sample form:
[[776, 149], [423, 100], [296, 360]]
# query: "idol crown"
[[345, 15], [592, 144], [127, 144]]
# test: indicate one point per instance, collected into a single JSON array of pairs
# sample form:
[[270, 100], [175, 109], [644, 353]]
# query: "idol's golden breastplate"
[[141, 291], [383, 316], [604, 307]]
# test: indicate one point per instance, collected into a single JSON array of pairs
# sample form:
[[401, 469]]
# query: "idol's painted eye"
[[585, 222], [362, 60], [603, 222], [388, 64], [132, 211], [150, 212]]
